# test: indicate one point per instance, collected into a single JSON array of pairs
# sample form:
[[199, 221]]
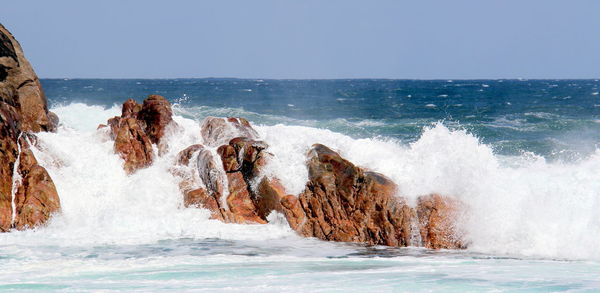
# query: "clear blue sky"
[[309, 39]]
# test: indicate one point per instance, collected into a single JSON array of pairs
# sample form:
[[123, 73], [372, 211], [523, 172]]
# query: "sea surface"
[[523, 155]]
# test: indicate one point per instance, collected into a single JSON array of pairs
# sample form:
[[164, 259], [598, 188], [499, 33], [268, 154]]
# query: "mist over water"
[[527, 174]]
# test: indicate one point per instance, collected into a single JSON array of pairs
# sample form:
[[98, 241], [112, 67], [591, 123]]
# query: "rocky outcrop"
[[343, 202], [205, 183], [138, 127], [220, 179], [22, 87], [36, 197], [25, 187]]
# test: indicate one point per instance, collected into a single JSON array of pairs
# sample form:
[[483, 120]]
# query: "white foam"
[[101, 204], [517, 205]]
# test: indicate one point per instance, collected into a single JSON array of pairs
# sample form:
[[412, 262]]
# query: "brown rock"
[[28, 97], [270, 195], [157, 115], [36, 198], [438, 218], [138, 127], [224, 179], [342, 202], [8, 155], [131, 143], [217, 131], [23, 108]]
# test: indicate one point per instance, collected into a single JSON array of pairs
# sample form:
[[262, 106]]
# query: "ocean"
[[523, 155]]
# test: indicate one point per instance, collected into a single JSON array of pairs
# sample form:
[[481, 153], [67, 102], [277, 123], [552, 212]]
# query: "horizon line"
[[341, 78]]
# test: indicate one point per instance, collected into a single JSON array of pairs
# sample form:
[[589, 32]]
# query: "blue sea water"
[[522, 154]]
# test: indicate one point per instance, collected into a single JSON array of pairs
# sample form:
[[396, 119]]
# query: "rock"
[[438, 218], [205, 184], [36, 198], [227, 178], [342, 202], [217, 131], [131, 143], [23, 109], [156, 114], [8, 155], [138, 127], [270, 196], [28, 97]]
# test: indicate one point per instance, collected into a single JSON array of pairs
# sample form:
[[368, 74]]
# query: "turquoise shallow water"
[[521, 154], [209, 265]]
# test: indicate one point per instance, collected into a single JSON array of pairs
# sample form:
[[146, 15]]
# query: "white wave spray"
[[520, 205]]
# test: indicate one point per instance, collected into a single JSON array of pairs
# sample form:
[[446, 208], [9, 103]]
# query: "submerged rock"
[[138, 127], [438, 221], [23, 110]]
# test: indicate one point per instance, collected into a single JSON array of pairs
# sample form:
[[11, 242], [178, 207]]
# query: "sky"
[[424, 39]]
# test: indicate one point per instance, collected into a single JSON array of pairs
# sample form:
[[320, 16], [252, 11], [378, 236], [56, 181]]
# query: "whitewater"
[[528, 177], [532, 224]]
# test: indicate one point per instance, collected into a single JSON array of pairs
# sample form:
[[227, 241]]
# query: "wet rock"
[[438, 219], [131, 143], [271, 193], [23, 109], [36, 198], [205, 184], [8, 155], [342, 202], [157, 115], [217, 131], [138, 127]]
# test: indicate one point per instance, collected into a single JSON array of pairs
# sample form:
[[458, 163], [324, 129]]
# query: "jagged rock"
[[137, 128], [342, 202], [227, 176], [23, 109], [156, 114], [206, 184], [217, 131], [131, 143], [438, 218], [28, 97], [36, 197]]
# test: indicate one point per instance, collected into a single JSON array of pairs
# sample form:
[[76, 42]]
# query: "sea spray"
[[517, 205], [16, 180]]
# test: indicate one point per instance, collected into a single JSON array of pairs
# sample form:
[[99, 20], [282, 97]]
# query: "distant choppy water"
[[553, 118], [522, 155]]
